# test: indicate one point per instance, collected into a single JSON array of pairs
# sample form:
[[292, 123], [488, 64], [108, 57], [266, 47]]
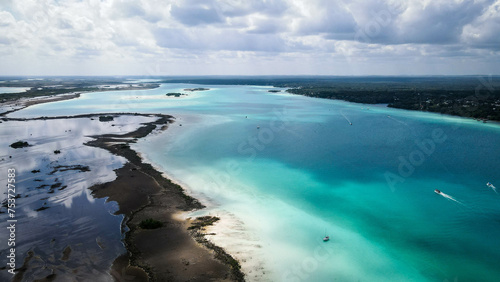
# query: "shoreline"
[[159, 199], [121, 265], [386, 106], [23, 102], [177, 251], [231, 233], [491, 121]]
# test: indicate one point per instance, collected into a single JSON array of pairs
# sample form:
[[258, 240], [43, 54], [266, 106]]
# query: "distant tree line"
[[469, 102]]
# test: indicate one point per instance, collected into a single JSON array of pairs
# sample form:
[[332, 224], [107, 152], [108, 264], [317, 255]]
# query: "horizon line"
[[259, 75]]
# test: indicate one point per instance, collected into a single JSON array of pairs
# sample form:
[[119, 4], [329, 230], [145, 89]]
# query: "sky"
[[249, 37]]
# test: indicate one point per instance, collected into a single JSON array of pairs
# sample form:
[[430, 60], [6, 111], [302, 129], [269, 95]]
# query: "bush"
[[105, 118], [150, 224], [19, 144], [203, 221]]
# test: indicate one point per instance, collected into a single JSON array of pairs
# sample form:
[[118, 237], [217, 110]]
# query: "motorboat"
[[437, 191]]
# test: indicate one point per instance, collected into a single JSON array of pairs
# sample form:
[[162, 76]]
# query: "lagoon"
[[282, 170], [6, 90]]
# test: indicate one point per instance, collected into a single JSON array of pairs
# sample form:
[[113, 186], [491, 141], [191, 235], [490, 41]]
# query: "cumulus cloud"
[[483, 31], [128, 8], [132, 33], [197, 12], [6, 19], [437, 22], [213, 40], [332, 19], [260, 24], [418, 22]]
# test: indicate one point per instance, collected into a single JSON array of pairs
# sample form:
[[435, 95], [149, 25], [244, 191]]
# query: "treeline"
[[466, 97]]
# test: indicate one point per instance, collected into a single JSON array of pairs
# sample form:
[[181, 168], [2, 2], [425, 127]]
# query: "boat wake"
[[346, 118], [402, 122], [492, 187], [449, 197]]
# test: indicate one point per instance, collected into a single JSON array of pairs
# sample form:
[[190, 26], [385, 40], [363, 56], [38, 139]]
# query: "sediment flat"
[[171, 252], [168, 253]]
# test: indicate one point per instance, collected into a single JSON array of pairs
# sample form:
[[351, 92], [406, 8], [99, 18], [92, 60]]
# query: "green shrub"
[[105, 118], [19, 144], [150, 224]]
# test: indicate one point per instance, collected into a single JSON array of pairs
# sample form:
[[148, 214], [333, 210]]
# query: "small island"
[[196, 89], [106, 118], [175, 94], [274, 91], [19, 144]]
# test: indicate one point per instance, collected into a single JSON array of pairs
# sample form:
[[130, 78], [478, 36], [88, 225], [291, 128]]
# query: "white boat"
[[326, 238], [490, 185]]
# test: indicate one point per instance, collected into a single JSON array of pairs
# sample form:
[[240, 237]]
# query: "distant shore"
[[475, 97], [22, 102], [18, 101]]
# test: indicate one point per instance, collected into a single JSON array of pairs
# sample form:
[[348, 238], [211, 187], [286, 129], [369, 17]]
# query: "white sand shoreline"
[[230, 232]]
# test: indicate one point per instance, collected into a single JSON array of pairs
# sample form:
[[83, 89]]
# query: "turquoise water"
[[283, 170], [4, 90]]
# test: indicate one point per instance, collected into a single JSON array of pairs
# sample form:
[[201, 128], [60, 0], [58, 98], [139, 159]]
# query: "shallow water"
[[283, 170], [55, 209], [5, 90]]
